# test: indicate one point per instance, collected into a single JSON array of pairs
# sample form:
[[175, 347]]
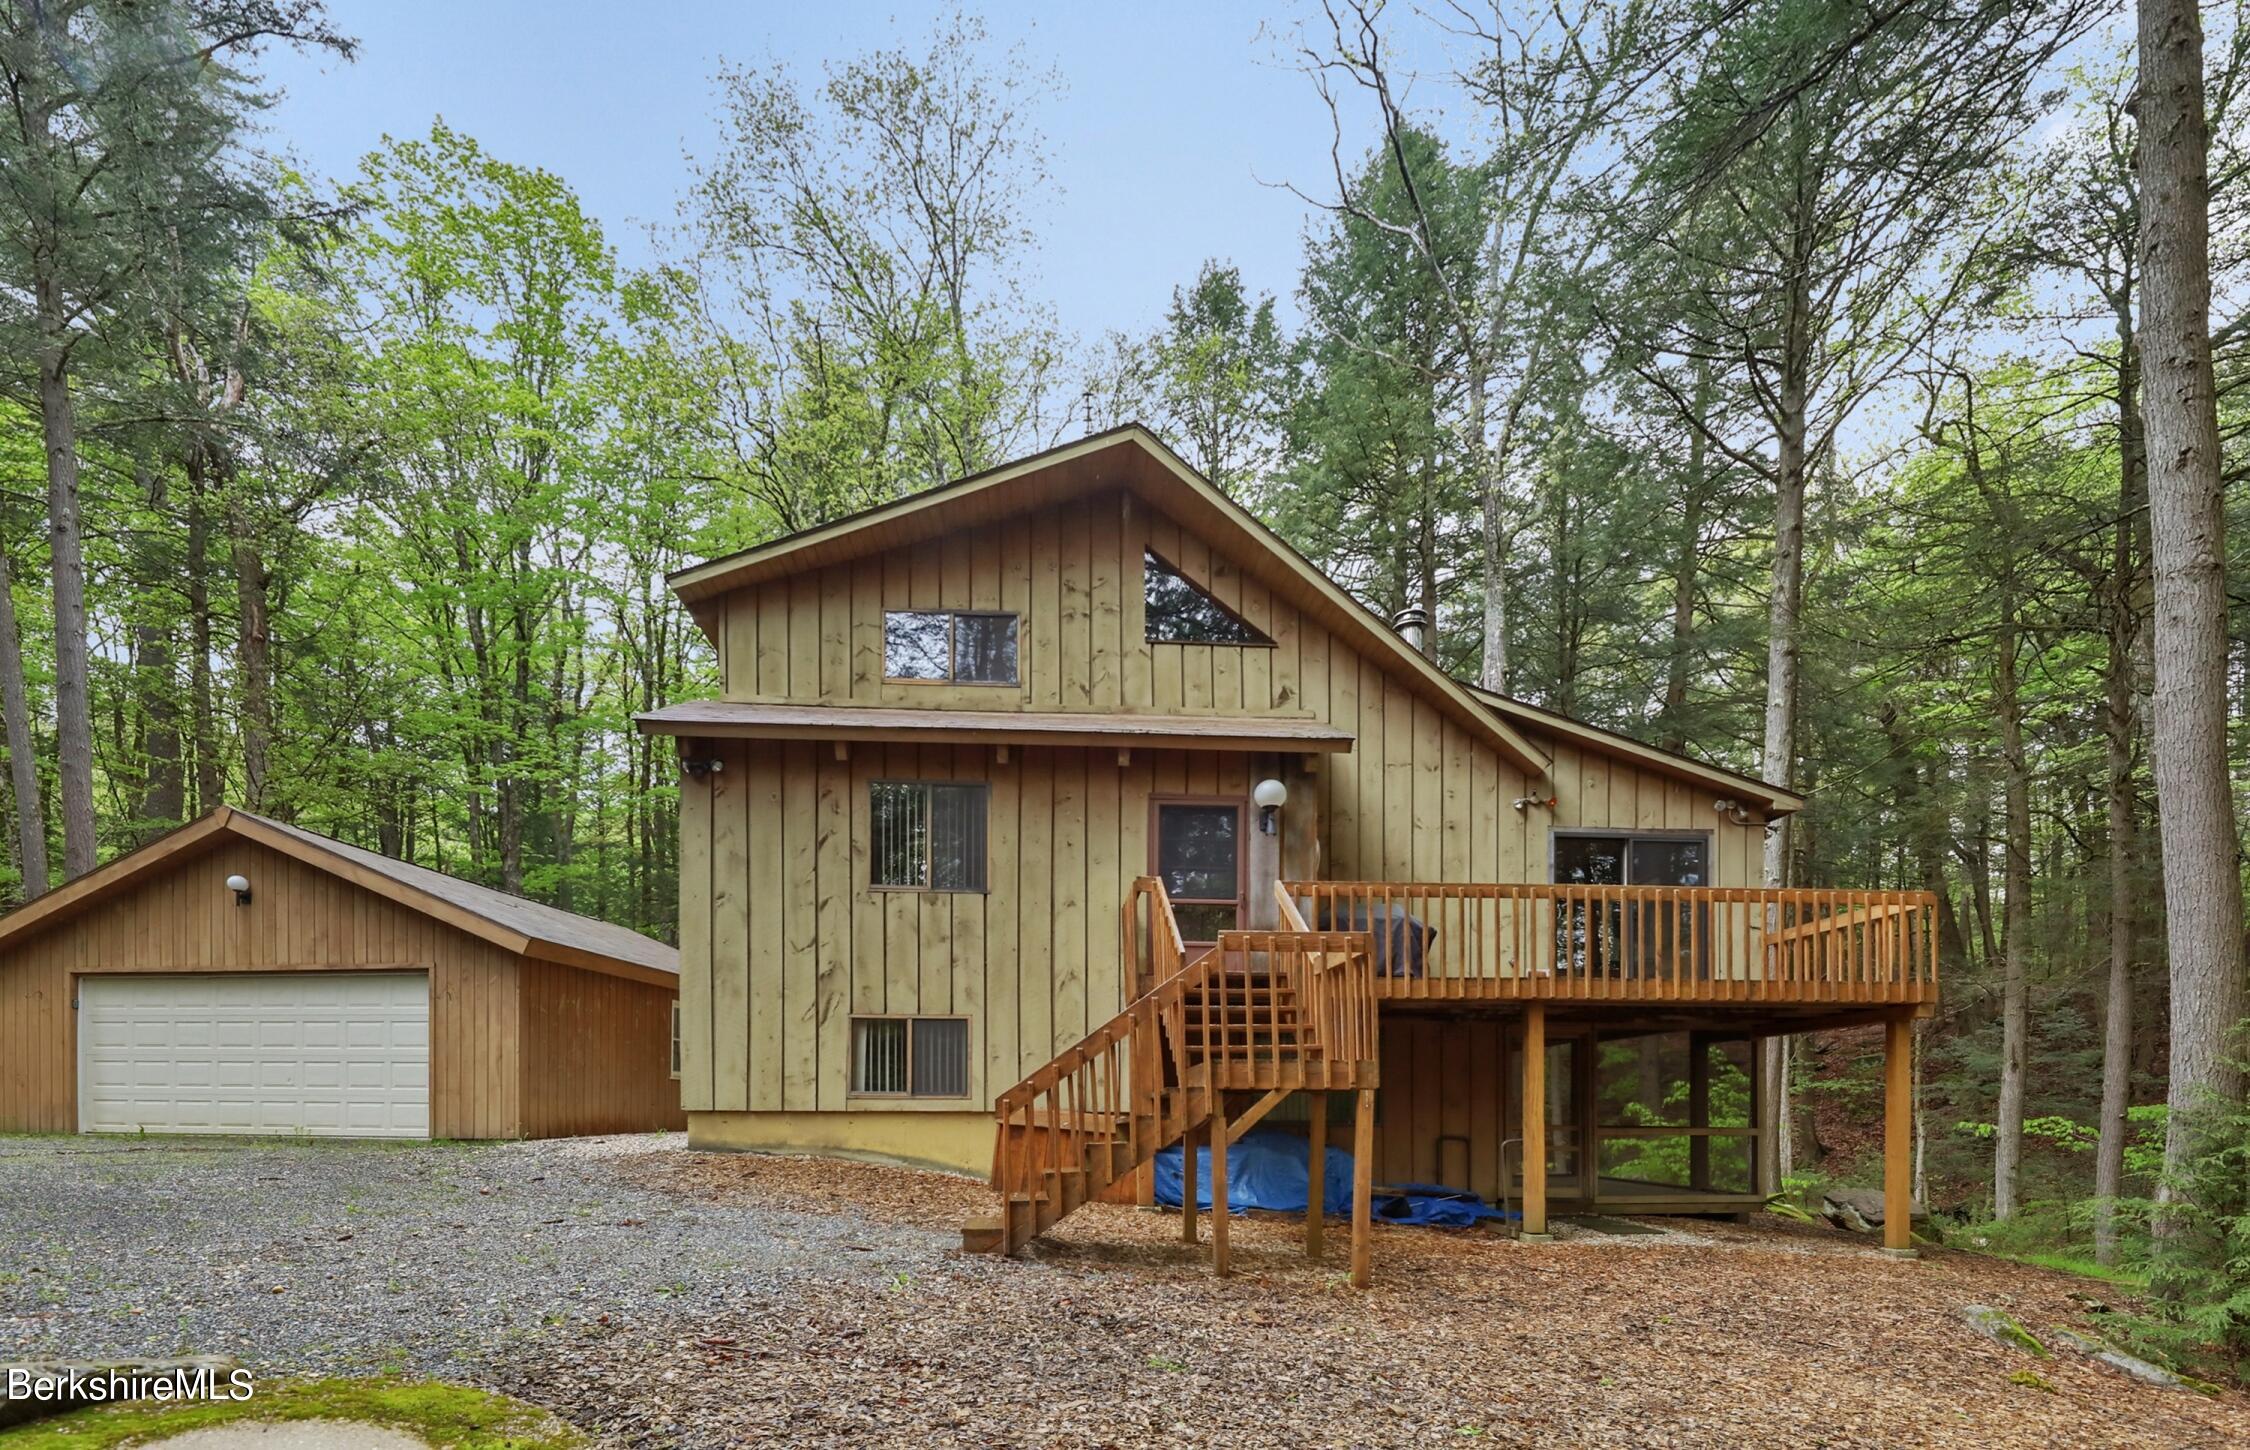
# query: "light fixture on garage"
[[240, 886], [1271, 796]]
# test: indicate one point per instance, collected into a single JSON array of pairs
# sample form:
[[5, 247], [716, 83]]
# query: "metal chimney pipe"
[[1412, 624]]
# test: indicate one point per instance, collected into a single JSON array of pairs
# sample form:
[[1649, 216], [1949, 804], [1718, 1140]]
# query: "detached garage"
[[240, 975]]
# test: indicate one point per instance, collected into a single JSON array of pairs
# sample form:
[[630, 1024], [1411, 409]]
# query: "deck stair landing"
[[1267, 1012]]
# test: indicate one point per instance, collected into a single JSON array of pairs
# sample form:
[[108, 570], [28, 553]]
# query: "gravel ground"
[[667, 1298], [307, 1256]]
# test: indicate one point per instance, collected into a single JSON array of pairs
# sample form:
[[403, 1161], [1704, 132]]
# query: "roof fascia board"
[[1777, 800], [562, 955], [702, 581], [66, 900], [970, 735]]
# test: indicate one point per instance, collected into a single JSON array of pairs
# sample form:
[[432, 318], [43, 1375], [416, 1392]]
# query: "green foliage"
[[2199, 1258], [1216, 379], [847, 281], [1376, 487]]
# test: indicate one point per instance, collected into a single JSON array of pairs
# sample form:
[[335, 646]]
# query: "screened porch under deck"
[[1637, 1121]]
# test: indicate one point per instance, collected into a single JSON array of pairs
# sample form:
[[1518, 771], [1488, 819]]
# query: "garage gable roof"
[[509, 922]]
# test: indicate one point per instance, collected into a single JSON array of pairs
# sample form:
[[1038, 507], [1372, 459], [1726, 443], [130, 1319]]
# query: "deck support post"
[[1363, 1185], [1222, 1261], [1898, 1136], [1187, 1187], [1316, 1175], [1534, 1227], [1699, 1109], [1766, 1098]]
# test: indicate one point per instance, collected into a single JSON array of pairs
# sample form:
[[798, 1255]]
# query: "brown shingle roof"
[[511, 922], [532, 919]]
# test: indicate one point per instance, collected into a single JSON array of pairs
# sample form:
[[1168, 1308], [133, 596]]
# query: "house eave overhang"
[[1769, 800], [747, 720]]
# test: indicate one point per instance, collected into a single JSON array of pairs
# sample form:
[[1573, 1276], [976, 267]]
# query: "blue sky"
[[1175, 126]]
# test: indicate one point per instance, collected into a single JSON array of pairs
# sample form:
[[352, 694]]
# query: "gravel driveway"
[[352, 1257], [665, 1298]]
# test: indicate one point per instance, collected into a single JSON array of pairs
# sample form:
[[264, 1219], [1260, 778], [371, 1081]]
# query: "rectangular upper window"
[[910, 1057], [1178, 611], [961, 646], [926, 835]]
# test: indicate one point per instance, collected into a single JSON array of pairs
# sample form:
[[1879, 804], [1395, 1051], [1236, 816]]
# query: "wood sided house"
[[1062, 812], [240, 975]]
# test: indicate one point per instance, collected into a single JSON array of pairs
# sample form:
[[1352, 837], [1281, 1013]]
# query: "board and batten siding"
[[782, 939], [596, 1053], [299, 918]]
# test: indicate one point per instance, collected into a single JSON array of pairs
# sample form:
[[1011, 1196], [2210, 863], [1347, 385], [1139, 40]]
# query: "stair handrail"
[[1090, 1085], [1070, 1118]]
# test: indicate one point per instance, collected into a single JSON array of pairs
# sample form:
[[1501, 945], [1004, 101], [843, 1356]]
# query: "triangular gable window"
[[1181, 613]]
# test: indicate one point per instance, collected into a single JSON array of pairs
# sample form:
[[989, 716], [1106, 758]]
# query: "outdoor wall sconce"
[[240, 886], [1734, 812], [702, 767], [1271, 795]]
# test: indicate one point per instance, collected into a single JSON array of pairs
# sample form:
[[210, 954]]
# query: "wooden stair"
[[1270, 1012], [1029, 1207]]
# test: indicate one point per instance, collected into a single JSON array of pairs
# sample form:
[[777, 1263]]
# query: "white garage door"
[[333, 1054]]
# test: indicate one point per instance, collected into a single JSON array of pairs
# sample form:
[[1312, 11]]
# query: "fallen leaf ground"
[[1112, 1332]]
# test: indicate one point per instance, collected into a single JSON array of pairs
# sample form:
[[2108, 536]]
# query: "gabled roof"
[[510, 922], [1772, 800], [1133, 458]]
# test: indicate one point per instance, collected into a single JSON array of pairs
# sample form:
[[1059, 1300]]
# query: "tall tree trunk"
[[1685, 566], [74, 722], [2187, 523], [1778, 760], [203, 722], [2007, 1141], [163, 797], [1426, 557], [253, 662], [2123, 621], [23, 760], [1494, 673]]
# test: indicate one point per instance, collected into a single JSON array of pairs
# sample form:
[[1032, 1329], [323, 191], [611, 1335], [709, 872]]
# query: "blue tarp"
[[1269, 1169]]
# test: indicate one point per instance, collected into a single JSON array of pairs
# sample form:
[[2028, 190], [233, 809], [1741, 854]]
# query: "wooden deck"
[[1299, 1010], [1779, 948]]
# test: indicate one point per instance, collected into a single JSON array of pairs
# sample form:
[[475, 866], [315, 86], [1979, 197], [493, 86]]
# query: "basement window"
[[1181, 612], [928, 835], [965, 648], [910, 1057]]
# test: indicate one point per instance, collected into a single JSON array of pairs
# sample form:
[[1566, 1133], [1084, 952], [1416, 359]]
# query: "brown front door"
[[1196, 846]]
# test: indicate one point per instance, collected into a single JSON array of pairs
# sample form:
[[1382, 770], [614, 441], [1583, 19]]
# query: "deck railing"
[[1663, 943]]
